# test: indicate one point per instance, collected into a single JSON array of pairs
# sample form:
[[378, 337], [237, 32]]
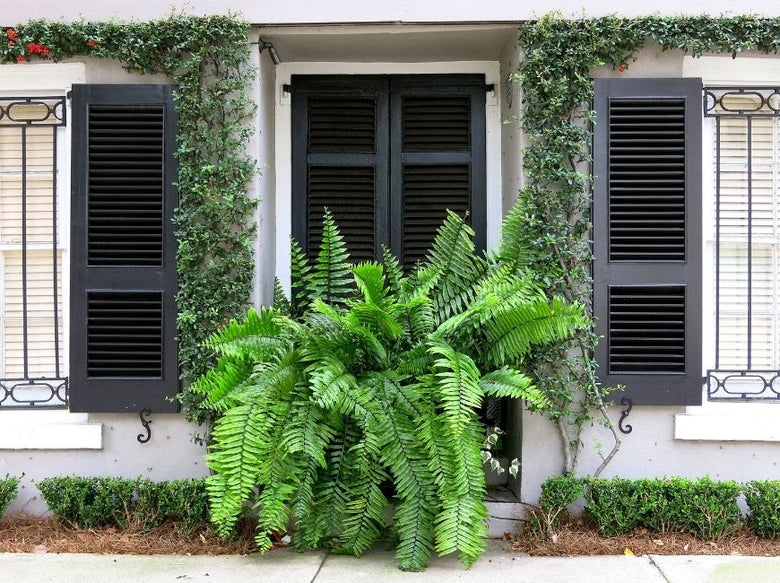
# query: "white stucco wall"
[[739, 441], [354, 11]]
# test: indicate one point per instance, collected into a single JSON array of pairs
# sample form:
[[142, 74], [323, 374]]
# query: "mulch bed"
[[579, 538], [35, 535]]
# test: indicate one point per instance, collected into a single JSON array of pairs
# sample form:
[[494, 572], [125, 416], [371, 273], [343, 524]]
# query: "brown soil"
[[579, 538], [49, 536]]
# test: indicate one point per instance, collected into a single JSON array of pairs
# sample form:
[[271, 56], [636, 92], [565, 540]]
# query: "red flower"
[[32, 48], [92, 44], [12, 34], [45, 52], [622, 68], [21, 59]]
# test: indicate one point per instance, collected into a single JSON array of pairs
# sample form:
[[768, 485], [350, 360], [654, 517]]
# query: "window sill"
[[48, 430], [729, 422]]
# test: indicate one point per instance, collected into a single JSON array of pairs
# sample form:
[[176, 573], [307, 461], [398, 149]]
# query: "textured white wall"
[[170, 454], [351, 11], [652, 449]]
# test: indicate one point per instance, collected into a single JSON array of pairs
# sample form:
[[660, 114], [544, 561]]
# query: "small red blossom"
[[21, 59], [12, 34], [622, 68], [92, 44], [37, 49]]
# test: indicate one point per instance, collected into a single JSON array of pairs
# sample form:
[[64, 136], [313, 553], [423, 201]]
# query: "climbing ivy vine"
[[559, 58], [208, 60]]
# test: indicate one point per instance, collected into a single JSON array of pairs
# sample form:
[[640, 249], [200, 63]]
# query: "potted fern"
[[362, 391]]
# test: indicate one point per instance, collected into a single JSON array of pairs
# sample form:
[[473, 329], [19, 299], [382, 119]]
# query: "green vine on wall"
[[560, 57], [208, 60]]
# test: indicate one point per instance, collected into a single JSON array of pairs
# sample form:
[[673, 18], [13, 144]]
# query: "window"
[[32, 371], [387, 154], [120, 253], [743, 124], [647, 238]]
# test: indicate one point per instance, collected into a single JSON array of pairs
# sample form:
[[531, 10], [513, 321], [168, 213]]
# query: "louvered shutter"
[[340, 161], [387, 155], [123, 263], [438, 160], [647, 238]]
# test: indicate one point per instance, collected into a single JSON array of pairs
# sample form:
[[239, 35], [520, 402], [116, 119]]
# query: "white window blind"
[[27, 233], [748, 173]]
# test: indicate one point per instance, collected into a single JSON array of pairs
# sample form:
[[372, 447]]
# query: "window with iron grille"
[[744, 240], [31, 251]]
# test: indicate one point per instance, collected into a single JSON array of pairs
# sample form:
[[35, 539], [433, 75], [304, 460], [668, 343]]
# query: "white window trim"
[[720, 421], [22, 429], [283, 138]]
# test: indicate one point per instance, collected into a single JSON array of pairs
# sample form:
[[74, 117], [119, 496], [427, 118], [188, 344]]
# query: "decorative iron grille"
[[31, 363], [746, 242]]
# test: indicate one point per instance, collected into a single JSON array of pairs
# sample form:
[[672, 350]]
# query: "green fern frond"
[[515, 252], [307, 432], [219, 385], [370, 281], [330, 382], [511, 332], [300, 276], [280, 303], [236, 456], [395, 273], [457, 380], [506, 382], [330, 279], [258, 336]]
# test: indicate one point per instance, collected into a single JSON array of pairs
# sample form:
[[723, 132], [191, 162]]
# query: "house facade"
[[401, 108]]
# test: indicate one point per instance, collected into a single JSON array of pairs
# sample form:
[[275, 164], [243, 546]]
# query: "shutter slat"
[[348, 192], [428, 191], [435, 123], [649, 176], [125, 177], [134, 346]]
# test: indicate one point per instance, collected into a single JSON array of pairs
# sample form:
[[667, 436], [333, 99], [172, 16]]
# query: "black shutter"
[[387, 155], [647, 238], [339, 143], [123, 252], [438, 158]]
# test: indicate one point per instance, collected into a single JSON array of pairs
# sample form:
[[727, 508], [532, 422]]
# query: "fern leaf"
[[511, 332], [240, 444], [219, 385], [458, 382], [330, 278], [259, 336], [300, 278], [506, 382], [280, 303]]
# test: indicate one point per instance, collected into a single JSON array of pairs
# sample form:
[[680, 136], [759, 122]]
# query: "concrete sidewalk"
[[378, 566]]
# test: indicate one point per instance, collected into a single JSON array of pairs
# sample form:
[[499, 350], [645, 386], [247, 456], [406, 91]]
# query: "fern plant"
[[364, 389]]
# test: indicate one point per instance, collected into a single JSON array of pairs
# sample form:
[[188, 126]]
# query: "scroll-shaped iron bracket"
[[627, 403], [146, 422]]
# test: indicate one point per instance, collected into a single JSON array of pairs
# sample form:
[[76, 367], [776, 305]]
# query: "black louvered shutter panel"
[[647, 238], [339, 142], [438, 158], [123, 266]]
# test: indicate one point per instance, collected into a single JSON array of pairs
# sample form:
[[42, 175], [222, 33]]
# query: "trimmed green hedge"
[[703, 507], [8, 491], [107, 501], [763, 499]]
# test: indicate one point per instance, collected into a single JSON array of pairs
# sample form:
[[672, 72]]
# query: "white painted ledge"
[[729, 422], [48, 430]]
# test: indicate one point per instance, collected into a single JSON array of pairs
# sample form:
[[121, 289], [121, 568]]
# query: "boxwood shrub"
[[8, 491], [763, 500]]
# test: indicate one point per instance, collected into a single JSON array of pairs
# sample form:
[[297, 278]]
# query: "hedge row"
[[95, 502], [703, 507]]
